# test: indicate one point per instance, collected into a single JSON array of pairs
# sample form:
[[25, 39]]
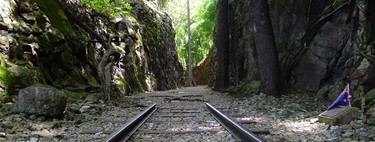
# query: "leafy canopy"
[[111, 8], [202, 24]]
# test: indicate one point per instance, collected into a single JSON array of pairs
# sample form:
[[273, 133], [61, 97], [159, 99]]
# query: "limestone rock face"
[[201, 71], [158, 38], [331, 46], [368, 100], [45, 38], [41, 100], [243, 66]]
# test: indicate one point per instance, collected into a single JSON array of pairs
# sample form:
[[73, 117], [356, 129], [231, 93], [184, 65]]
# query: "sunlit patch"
[[182, 129], [300, 126], [46, 133], [244, 118], [6, 8]]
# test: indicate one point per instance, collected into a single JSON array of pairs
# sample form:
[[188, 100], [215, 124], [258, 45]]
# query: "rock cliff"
[[319, 43], [62, 43]]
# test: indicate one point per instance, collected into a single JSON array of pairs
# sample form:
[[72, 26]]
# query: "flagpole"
[[350, 105]]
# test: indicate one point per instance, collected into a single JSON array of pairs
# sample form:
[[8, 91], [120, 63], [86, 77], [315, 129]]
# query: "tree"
[[190, 73], [222, 45], [266, 49]]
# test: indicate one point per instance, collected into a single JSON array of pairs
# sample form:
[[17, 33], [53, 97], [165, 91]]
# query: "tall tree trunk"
[[222, 45], [190, 72], [266, 49]]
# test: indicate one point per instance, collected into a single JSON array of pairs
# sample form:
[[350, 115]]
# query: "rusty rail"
[[233, 127], [124, 132]]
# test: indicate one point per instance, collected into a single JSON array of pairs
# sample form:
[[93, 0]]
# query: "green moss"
[[140, 78], [44, 41], [282, 46], [369, 98], [3, 63], [68, 58], [6, 77], [81, 34], [91, 80], [250, 87], [72, 95], [368, 32], [57, 16], [121, 84], [36, 29], [246, 88]]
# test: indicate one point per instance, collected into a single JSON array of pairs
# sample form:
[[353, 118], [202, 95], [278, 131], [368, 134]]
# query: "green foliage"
[[109, 7], [202, 26]]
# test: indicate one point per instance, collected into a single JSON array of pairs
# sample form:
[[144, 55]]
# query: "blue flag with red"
[[343, 99]]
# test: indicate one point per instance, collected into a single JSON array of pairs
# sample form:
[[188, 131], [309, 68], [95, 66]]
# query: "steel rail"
[[236, 129], [124, 132]]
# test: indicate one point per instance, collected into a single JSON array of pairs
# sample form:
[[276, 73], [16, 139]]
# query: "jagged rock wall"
[[41, 41], [340, 48], [158, 34], [329, 49], [243, 66]]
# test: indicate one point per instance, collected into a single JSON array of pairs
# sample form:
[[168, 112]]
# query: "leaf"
[[108, 7]]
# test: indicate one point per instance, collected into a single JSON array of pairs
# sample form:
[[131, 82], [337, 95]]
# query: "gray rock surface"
[[41, 100], [331, 46], [334, 92], [49, 49]]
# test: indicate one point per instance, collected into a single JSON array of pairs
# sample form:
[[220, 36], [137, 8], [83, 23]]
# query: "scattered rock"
[[41, 100], [348, 134], [41, 118], [84, 109], [77, 121], [2, 134], [33, 139], [335, 131], [32, 117], [284, 117]]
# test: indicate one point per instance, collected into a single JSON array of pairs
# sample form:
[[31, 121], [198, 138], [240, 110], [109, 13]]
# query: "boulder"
[[19, 73], [41, 100]]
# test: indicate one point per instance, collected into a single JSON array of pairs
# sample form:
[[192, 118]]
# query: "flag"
[[343, 99]]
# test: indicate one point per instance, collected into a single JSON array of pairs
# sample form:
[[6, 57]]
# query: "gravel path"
[[291, 118], [196, 126]]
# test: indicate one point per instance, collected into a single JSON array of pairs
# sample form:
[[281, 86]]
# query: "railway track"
[[192, 119]]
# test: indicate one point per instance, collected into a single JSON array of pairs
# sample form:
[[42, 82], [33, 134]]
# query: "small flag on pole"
[[343, 99]]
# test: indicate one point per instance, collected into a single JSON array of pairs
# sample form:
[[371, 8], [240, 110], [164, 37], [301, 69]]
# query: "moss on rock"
[[369, 100], [56, 16]]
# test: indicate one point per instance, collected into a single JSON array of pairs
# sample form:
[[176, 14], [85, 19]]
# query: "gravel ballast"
[[293, 117]]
